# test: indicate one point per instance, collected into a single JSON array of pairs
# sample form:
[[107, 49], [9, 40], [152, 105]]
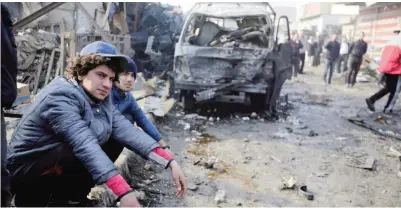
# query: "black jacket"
[[332, 50], [9, 62], [358, 48]]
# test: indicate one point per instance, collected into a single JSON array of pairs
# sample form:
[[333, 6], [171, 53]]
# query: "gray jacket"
[[63, 120]]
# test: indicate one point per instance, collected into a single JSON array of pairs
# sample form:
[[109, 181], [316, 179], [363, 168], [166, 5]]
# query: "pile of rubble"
[[36, 50], [153, 28]]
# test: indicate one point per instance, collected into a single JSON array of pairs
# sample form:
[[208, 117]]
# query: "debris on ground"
[[192, 186], [288, 182], [363, 162], [246, 118], [312, 133], [321, 174], [153, 28], [394, 152], [303, 191], [220, 196]]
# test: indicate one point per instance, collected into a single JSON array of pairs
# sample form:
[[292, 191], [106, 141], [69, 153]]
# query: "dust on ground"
[[246, 156]]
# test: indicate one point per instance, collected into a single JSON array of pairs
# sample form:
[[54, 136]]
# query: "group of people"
[[75, 129], [348, 57], [345, 56], [336, 55]]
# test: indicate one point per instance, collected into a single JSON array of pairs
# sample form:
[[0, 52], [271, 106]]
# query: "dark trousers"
[[342, 61], [328, 70], [74, 183], [390, 87], [355, 65], [5, 185], [302, 60]]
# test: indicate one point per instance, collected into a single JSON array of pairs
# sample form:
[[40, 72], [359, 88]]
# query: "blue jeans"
[[328, 68]]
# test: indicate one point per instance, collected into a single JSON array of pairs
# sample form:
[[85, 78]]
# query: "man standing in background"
[[331, 51], [302, 53], [357, 50], [8, 93], [343, 59], [296, 46]]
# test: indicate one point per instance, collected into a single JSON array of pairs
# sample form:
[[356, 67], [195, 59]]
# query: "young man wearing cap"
[[127, 105], [65, 143]]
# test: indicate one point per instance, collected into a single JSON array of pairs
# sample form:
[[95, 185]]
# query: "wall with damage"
[[67, 13]]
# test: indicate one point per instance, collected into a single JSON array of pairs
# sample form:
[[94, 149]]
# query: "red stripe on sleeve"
[[118, 185], [162, 153]]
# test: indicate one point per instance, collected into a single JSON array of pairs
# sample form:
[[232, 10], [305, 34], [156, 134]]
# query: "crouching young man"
[[127, 105], [71, 135]]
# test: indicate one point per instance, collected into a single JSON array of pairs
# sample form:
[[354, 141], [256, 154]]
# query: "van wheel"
[[188, 100]]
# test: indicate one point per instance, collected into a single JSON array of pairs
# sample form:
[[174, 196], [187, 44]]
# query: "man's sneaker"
[[370, 104]]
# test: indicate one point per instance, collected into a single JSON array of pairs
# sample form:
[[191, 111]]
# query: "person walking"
[[331, 50], [296, 46], [343, 58], [357, 50], [390, 66], [302, 55]]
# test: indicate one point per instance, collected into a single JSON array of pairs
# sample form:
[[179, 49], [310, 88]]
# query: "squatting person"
[[70, 137], [127, 105]]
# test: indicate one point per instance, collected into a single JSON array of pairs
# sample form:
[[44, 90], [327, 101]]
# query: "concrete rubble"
[[35, 51], [153, 30]]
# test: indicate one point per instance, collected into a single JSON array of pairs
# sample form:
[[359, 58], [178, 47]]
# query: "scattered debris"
[[211, 119], [312, 133], [254, 115], [394, 152], [288, 182], [321, 174], [148, 167], [248, 158], [186, 126], [192, 186], [140, 195], [289, 129], [341, 138], [220, 196], [246, 118], [246, 140], [240, 203], [197, 181], [191, 116], [303, 191], [364, 162], [218, 119]]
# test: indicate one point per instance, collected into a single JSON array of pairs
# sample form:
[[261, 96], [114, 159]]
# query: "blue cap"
[[131, 65], [106, 50]]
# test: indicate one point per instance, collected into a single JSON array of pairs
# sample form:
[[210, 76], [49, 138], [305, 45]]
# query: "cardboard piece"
[[23, 94]]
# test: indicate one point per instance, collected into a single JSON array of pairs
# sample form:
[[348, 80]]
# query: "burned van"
[[230, 52]]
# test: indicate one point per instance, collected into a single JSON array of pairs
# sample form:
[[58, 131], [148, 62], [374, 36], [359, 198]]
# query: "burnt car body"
[[228, 52]]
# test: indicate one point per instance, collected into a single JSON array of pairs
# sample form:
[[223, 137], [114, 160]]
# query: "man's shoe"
[[370, 104]]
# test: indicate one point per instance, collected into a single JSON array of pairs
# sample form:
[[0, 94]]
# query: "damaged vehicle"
[[232, 52]]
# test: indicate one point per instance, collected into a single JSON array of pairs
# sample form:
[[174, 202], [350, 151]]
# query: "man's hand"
[[179, 179], [129, 200]]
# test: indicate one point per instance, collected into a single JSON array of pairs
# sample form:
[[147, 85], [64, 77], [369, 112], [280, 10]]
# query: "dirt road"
[[247, 159]]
